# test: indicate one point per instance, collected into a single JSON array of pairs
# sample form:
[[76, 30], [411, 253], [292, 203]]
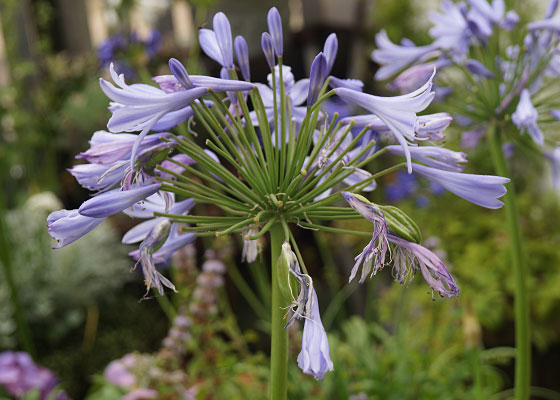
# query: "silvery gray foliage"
[[56, 287]]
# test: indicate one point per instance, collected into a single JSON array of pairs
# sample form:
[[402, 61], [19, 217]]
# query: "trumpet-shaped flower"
[[66, 226], [483, 190], [106, 147], [394, 58], [398, 113]]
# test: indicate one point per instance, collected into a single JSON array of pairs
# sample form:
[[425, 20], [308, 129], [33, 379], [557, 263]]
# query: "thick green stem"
[[521, 303], [279, 335]]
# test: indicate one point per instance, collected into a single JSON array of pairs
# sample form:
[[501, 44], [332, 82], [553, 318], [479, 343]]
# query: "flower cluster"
[[272, 160], [509, 69]]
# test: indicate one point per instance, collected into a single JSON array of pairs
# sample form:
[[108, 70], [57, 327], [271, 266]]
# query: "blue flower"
[[314, 358], [275, 28], [394, 58], [114, 201], [397, 113], [66, 226], [316, 78], [451, 29], [525, 118], [242, 55], [435, 157], [106, 147], [217, 43], [483, 190]]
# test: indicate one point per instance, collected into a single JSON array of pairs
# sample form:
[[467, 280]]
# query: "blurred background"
[[76, 310]]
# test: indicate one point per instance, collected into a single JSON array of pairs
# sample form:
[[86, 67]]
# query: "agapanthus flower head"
[[269, 163], [507, 85]]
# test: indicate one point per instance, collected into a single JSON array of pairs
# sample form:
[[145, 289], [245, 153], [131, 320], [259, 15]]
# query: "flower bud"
[[266, 44], [242, 54], [316, 78], [275, 28]]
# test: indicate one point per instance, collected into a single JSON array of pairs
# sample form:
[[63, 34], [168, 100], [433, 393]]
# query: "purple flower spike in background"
[[525, 118], [275, 28], [19, 375]]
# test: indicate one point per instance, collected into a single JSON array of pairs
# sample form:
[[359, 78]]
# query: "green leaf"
[[401, 224]]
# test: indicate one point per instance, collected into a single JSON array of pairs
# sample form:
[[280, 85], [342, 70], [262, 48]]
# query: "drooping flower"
[[153, 278], [372, 258], [525, 118], [410, 257], [314, 358]]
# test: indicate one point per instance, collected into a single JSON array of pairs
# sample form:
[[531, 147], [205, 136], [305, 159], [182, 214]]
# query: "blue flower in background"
[[119, 50]]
